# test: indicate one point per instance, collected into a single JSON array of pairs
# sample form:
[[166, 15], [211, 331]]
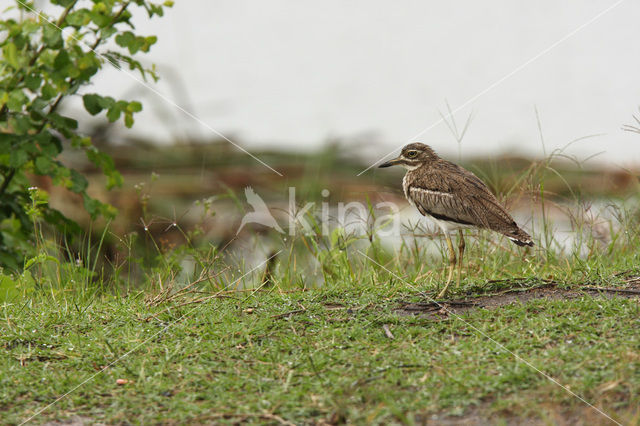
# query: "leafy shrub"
[[42, 65]]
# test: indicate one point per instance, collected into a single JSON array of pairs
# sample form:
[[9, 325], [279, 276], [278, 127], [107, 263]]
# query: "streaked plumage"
[[453, 197]]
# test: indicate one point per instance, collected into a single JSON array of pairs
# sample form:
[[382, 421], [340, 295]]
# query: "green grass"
[[241, 358]]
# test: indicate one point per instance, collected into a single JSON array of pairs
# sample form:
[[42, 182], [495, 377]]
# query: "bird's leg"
[[461, 246], [452, 264]]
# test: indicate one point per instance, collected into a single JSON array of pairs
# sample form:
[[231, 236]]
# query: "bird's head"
[[413, 156]]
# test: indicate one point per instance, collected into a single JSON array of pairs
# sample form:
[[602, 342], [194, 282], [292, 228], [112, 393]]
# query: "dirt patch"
[[549, 414], [442, 309]]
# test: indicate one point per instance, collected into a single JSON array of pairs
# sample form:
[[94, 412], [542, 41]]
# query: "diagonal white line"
[[140, 344], [154, 91], [501, 80], [500, 345]]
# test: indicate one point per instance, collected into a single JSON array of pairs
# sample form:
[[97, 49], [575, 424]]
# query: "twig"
[[611, 290], [387, 332], [286, 314], [7, 180], [165, 295], [438, 305]]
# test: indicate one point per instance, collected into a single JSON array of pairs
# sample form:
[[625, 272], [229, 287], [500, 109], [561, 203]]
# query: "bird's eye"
[[412, 154]]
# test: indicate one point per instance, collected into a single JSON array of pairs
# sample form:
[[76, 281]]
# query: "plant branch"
[[54, 106], [93, 47], [38, 52], [7, 181]]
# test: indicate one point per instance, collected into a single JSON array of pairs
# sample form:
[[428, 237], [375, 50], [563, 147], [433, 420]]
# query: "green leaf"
[[6, 140], [9, 289], [91, 206], [95, 208], [106, 164], [48, 144], [128, 119], [114, 113], [80, 142], [128, 40], [148, 42], [78, 18], [62, 60], [17, 99], [44, 165], [63, 71], [60, 122], [78, 182], [18, 158], [20, 124], [52, 36], [37, 107], [63, 3], [48, 92], [33, 81], [10, 53], [107, 102], [134, 106], [107, 32], [101, 20], [92, 103]]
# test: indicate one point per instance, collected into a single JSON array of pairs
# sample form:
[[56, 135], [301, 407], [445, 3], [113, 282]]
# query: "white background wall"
[[293, 74]]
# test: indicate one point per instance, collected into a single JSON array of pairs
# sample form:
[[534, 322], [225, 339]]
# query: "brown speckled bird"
[[454, 198]]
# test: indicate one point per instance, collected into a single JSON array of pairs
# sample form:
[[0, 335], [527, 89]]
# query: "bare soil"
[[549, 291]]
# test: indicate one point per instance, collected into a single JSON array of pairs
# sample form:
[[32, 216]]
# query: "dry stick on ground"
[[286, 314], [164, 296], [165, 293], [204, 276], [387, 332], [611, 289]]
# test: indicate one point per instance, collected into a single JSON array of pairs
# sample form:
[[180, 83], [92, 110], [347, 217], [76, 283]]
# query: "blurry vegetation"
[[180, 207], [46, 59], [164, 182]]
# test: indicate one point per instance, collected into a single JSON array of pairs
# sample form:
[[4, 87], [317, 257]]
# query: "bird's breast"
[[405, 187]]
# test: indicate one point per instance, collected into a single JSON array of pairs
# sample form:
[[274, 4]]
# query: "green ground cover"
[[319, 355]]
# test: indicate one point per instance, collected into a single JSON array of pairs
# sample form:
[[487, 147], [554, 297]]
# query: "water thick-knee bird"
[[454, 198]]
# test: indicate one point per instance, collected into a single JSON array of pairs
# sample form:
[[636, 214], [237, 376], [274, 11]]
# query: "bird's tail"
[[519, 237]]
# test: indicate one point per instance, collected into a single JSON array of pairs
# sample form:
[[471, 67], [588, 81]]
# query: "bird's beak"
[[390, 163]]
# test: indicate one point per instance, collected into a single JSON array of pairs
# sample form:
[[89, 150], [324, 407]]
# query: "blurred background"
[[520, 93], [286, 75]]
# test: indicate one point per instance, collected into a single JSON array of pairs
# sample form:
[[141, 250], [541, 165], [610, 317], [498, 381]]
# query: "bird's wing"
[[255, 200], [459, 196]]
